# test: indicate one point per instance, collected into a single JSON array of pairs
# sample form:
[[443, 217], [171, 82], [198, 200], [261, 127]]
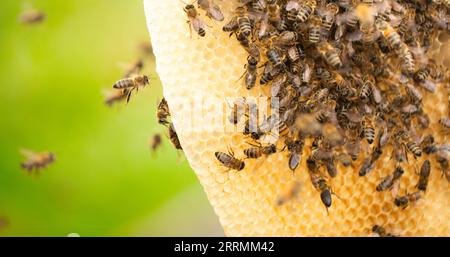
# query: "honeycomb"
[[198, 74]]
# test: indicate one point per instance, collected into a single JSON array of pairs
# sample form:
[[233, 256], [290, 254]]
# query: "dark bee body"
[[295, 156], [414, 148], [163, 112], [428, 145], [369, 131], [389, 181], [405, 200], [229, 161], [381, 231], [274, 57], [256, 152], [424, 175], [422, 74], [173, 137]]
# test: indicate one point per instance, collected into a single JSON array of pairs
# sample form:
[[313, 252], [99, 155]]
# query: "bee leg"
[[129, 95]]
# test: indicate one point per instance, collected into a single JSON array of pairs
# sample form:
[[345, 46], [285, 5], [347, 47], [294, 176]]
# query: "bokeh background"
[[105, 181]]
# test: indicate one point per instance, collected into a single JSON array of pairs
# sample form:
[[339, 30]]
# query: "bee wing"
[[197, 24], [292, 5], [27, 153], [264, 26], [215, 13]]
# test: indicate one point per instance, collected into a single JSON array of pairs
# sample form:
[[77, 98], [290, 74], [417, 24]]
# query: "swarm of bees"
[[349, 77]]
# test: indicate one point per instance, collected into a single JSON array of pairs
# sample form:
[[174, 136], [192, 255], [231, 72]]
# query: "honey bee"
[[287, 39], [424, 175], [291, 193], [389, 181], [404, 201], [442, 159], [173, 137], [156, 142], [445, 124], [292, 7], [369, 130], [389, 33], [212, 9], [132, 83], [32, 16], [367, 88], [36, 161], [330, 54], [428, 145], [163, 112], [305, 10], [366, 167], [194, 21], [229, 161], [321, 185], [256, 151], [380, 231], [274, 11], [422, 74], [116, 96], [295, 148], [274, 57], [243, 21], [328, 18], [251, 73], [315, 24]]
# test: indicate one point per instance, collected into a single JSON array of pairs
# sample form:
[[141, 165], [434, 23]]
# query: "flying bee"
[[212, 9], [380, 231], [229, 161], [314, 29], [173, 137], [305, 10], [330, 54], [194, 20], [32, 16], [155, 142], [163, 112], [368, 130], [132, 83], [389, 181], [36, 161], [424, 175], [116, 96], [404, 201], [292, 192], [256, 151]]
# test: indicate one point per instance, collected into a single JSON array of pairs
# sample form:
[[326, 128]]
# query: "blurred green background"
[[105, 181]]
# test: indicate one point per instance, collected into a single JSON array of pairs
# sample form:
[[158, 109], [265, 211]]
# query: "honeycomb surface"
[[203, 72]]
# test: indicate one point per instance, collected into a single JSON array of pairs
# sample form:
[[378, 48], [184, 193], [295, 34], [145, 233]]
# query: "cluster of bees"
[[347, 76]]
